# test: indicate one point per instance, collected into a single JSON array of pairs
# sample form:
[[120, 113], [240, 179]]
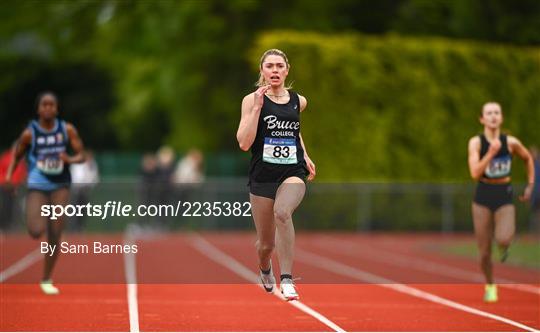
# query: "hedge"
[[396, 108]]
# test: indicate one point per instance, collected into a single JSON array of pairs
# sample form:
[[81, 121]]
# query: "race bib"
[[499, 167], [279, 151], [50, 164]]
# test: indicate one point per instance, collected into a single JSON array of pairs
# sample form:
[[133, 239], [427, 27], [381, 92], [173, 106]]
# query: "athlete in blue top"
[[490, 162], [45, 144]]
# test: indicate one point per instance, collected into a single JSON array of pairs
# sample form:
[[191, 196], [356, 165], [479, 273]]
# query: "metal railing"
[[340, 206]]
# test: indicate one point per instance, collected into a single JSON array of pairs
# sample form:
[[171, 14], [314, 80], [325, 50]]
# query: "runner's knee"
[[485, 257], [35, 233], [265, 248], [504, 241], [282, 215]]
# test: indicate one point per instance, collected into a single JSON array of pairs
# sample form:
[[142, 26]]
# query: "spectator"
[[148, 177], [84, 177], [189, 169], [188, 173], [8, 202], [165, 170]]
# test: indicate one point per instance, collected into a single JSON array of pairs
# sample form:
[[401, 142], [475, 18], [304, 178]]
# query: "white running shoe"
[[268, 280], [288, 290], [48, 288]]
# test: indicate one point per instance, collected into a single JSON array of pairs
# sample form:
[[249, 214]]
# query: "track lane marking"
[[130, 269], [21, 265], [339, 246], [220, 257], [334, 266]]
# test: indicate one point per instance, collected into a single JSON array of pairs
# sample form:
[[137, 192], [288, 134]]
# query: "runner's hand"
[[311, 168], [527, 193], [65, 158], [8, 185], [495, 146], [259, 97]]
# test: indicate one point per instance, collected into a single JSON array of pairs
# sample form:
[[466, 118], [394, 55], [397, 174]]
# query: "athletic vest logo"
[[273, 123]]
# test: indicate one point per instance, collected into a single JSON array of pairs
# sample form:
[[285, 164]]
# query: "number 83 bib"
[[280, 151]]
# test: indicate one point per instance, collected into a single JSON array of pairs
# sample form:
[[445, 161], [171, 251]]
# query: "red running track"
[[183, 287]]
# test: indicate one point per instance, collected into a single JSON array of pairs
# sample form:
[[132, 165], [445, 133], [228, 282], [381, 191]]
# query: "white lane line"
[[280, 332], [345, 270], [21, 265], [130, 268], [220, 257], [424, 265]]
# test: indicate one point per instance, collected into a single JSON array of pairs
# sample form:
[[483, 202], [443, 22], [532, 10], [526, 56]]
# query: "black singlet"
[[501, 164], [277, 149]]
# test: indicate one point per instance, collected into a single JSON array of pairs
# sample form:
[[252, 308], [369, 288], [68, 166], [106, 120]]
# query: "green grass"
[[521, 253]]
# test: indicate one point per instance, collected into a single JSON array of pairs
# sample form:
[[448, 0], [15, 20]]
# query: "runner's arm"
[[19, 149], [76, 144]]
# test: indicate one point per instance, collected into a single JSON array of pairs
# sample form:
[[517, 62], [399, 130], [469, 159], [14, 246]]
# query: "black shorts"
[[48, 191], [265, 182], [493, 196]]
